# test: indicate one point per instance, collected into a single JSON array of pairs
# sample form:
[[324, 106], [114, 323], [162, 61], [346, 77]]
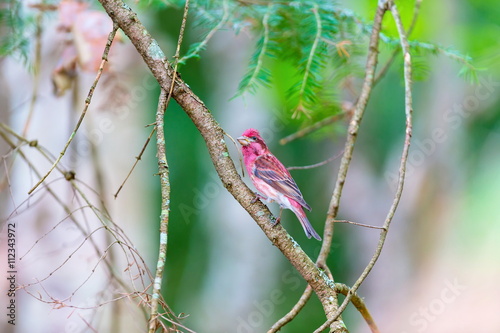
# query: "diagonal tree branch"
[[213, 135], [352, 132]]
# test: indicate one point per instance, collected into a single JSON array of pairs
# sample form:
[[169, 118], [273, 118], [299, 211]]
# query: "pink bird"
[[272, 179]]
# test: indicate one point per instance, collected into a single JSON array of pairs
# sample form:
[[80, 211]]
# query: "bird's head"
[[252, 141]]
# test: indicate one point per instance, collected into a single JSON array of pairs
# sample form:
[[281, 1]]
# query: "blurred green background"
[[446, 221], [439, 269]]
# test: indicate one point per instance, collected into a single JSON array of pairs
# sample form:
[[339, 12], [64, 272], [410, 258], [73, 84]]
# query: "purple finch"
[[272, 179]]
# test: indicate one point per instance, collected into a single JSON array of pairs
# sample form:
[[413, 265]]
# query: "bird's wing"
[[269, 169]]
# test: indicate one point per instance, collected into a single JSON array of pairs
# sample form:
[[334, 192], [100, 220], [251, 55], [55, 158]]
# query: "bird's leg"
[[259, 196], [278, 220]]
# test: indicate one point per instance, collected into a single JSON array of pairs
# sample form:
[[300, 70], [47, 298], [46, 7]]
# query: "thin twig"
[[164, 182], [36, 83], [358, 224], [240, 157], [314, 127], [371, 64], [390, 61], [402, 166], [102, 195], [312, 166], [293, 312], [361, 104], [4, 130], [87, 103], [165, 209], [209, 36], [137, 159], [360, 305]]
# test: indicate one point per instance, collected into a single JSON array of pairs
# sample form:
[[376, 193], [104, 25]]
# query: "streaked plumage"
[[272, 179]]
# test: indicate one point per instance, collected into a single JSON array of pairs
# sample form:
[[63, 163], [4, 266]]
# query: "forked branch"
[[213, 135], [111, 37], [402, 166]]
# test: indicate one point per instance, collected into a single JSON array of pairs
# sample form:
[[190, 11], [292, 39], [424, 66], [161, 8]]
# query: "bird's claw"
[[257, 197], [276, 220]]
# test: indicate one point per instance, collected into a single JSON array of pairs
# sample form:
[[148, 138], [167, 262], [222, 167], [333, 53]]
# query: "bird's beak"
[[243, 140]]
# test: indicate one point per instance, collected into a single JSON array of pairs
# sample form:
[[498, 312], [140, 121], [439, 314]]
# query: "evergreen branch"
[[310, 58], [252, 76], [198, 47], [468, 71], [436, 49], [420, 47], [204, 12]]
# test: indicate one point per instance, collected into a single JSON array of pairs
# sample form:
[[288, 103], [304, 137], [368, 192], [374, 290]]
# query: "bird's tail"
[[308, 228]]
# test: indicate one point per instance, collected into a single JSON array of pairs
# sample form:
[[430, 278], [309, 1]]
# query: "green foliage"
[[420, 68], [304, 35], [206, 20], [257, 73], [18, 30], [420, 49], [177, 4], [322, 44], [316, 38]]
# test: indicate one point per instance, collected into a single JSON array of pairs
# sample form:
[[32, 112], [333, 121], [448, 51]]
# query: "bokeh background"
[[439, 269]]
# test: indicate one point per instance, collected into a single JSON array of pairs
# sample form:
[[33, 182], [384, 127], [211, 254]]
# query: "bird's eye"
[[253, 138]]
